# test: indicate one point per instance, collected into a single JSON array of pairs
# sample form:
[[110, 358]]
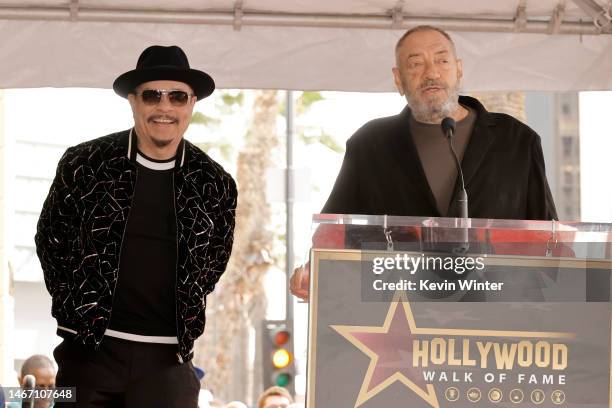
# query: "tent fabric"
[[294, 51]]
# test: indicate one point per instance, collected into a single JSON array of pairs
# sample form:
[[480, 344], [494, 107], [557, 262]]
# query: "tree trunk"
[[238, 304]]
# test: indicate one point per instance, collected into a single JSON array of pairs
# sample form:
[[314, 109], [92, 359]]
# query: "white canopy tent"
[[551, 45], [548, 45]]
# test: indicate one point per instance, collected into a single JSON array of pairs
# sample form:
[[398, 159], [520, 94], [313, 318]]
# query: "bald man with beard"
[[402, 165]]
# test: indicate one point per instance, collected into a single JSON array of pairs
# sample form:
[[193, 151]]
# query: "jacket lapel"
[[481, 139], [410, 162]]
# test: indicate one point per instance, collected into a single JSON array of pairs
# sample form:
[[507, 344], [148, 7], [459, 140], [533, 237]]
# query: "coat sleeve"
[[540, 203], [222, 238], [56, 229], [344, 197]]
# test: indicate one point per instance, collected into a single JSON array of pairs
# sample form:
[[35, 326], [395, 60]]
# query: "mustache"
[[163, 117], [430, 82]]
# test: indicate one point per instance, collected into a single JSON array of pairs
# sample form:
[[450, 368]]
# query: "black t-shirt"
[[145, 298]]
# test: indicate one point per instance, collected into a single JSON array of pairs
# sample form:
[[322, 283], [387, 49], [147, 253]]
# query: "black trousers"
[[125, 374]]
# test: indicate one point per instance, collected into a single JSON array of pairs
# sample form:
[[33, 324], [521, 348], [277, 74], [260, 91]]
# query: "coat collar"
[[410, 162], [481, 139], [132, 144]]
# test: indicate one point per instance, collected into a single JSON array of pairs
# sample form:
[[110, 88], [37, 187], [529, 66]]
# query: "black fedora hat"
[[164, 63]]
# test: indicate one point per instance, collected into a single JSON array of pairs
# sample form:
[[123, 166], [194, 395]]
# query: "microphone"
[[448, 127], [29, 383]]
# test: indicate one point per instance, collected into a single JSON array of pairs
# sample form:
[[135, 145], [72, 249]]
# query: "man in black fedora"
[[135, 232]]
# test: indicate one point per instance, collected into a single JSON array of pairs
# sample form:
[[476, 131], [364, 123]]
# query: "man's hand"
[[300, 282]]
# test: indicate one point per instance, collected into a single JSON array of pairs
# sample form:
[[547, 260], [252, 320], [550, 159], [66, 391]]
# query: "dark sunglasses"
[[154, 96]]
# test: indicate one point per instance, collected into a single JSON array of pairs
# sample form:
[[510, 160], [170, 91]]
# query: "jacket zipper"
[[121, 246]]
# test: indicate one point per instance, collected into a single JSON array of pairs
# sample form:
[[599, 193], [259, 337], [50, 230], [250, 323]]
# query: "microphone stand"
[[448, 127]]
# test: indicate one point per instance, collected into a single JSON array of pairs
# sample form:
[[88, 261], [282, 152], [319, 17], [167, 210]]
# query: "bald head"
[[36, 362], [42, 368], [418, 29]]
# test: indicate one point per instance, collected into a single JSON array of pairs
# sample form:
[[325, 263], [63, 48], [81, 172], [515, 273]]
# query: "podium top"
[[575, 240], [602, 229]]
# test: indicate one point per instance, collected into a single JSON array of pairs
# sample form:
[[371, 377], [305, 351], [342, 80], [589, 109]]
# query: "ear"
[[398, 80], [459, 69]]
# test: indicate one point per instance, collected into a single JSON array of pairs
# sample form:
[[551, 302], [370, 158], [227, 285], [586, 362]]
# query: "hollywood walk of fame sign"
[[412, 351]]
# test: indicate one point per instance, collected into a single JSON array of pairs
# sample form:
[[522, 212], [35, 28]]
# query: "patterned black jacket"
[[81, 227]]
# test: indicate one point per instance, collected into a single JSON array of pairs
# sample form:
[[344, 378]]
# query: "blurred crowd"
[[39, 371], [273, 397]]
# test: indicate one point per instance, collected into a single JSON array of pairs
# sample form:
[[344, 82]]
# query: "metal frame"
[[600, 23]]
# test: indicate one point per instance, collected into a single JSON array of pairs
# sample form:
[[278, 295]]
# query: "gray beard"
[[431, 112]]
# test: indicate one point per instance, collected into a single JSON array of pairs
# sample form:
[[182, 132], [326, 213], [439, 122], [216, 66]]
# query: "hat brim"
[[201, 83]]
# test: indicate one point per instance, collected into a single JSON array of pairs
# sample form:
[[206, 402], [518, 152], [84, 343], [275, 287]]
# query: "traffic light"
[[277, 355]]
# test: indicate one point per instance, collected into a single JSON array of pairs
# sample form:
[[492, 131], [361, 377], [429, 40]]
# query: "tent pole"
[[289, 202], [78, 12]]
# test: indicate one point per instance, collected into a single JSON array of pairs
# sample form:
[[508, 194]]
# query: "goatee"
[[161, 143]]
